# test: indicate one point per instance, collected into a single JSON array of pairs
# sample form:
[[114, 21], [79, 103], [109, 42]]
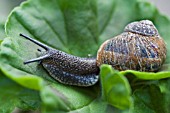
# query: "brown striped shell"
[[139, 47]]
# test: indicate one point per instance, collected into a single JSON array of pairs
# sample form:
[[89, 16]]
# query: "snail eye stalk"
[[35, 41]]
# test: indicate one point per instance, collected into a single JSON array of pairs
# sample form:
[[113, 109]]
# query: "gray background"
[[162, 5]]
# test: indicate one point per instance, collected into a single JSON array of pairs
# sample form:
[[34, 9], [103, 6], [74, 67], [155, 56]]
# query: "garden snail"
[[139, 47]]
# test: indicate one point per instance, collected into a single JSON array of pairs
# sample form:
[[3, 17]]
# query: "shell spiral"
[[139, 47]]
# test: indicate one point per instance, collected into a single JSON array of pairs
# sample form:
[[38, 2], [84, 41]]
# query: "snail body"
[[139, 47], [66, 68]]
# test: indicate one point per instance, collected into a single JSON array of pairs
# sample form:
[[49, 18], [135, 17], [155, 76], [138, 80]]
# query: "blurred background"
[[162, 5], [7, 5]]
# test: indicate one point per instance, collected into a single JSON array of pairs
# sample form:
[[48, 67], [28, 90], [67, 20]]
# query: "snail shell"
[[139, 47]]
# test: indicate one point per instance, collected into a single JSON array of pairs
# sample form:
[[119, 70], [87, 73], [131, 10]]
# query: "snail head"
[[44, 54]]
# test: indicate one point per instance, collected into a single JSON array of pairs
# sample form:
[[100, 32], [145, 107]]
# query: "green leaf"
[[147, 75], [165, 90], [13, 95], [115, 88], [74, 99], [150, 99]]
